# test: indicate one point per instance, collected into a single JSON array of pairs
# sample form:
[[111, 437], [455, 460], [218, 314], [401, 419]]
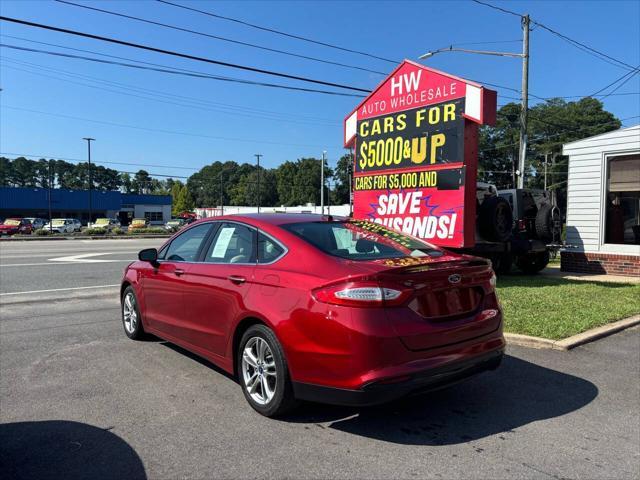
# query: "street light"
[[525, 86], [324, 156], [89, 140]]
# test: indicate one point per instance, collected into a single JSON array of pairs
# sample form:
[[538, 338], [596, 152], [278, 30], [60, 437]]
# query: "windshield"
[[138, 222], [12, 221], [361, 240], [102, 221], [58, 221]]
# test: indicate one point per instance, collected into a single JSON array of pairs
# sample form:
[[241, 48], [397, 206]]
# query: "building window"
[[622, 213], [153, 216]]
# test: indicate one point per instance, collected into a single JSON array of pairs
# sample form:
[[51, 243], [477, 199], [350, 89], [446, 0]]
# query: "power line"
[[581, 46], [156, 130], [199, 104], [217, 37], [632, 74], [629, 74], [181, 55], [178, 71], [278, 32]]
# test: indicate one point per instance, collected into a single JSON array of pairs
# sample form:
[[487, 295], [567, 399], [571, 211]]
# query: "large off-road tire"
[[532, 263], [263, 372], [502, 262], [548, 226], [495, 219]]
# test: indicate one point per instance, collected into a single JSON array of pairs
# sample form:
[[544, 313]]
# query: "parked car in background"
[[61, 225], [77, 224], [310, 307], [175, 224], [12, 226], [138, 223], [37, 223], [107, 223]]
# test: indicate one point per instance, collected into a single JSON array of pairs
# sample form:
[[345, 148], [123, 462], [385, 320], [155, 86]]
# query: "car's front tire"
[[131, 319], [263, 372]]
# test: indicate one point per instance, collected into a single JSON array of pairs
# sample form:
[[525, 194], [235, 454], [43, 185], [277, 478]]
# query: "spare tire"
[[533, 262], [548, 224], [495, 220]]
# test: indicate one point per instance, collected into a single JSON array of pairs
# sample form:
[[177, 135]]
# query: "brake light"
[[522, 225], [362, 294]]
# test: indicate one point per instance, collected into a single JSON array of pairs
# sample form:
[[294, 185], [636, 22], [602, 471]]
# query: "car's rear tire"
[[131, 318], [263, 372]]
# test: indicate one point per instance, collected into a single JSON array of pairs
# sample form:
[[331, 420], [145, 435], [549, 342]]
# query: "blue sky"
[[234, 121]]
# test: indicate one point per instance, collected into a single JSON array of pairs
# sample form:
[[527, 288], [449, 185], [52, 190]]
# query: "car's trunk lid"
[[447, 303]]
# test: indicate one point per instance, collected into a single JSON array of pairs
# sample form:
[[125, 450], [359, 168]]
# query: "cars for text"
[[305, 307], [12, 226]]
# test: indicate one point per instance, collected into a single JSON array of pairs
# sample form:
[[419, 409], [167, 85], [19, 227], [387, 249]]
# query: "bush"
[[94, 231], [42, 232], [117, 231], [148, 230]]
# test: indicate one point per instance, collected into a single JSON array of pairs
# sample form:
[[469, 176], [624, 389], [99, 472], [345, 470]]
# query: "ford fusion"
[[310, 307]]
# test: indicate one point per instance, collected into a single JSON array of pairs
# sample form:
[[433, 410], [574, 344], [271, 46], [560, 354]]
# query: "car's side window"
[[268, 250], [185, 247], [234, 243]]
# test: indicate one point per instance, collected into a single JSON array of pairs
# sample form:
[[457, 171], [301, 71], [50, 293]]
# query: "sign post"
[[416, 153]]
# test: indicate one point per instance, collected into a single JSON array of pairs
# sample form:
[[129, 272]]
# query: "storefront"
[[63, 203], [603, 204]]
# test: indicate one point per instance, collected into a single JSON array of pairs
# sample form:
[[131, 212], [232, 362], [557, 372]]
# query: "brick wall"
[[600, 263]]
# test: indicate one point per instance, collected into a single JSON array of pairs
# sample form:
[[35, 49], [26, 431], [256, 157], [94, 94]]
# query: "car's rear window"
[[360, 240], [12, 222]]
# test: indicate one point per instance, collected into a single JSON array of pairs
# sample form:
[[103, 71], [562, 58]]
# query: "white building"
[[603, 204]]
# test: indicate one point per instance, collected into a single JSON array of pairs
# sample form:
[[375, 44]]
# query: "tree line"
[[297, 182]]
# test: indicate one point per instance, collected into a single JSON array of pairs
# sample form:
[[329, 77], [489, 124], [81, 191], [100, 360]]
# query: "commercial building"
[[35, 202], [603, 204]]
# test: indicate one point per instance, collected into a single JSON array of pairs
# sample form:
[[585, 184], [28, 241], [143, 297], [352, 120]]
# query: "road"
[[34, 266], [78, 399]]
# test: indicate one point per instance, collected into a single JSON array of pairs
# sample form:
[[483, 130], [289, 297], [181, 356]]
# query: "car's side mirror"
[[149, 255]]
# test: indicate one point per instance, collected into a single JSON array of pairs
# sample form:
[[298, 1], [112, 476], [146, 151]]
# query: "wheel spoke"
[[261, 349], [248, 357], [252, 383]]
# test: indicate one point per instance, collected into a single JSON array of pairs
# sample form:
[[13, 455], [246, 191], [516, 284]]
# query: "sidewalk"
[[554, 271]]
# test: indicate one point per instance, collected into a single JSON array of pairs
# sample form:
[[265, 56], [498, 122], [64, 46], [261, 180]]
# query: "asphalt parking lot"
[[78, 399]]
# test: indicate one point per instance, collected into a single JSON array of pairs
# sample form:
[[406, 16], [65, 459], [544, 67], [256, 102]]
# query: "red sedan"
[[309, 307], [12, 226]]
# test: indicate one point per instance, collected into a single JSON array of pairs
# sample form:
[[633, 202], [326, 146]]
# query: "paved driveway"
[[78, 399]]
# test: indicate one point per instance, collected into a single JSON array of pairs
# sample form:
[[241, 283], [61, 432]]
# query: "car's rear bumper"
[[418, 382]]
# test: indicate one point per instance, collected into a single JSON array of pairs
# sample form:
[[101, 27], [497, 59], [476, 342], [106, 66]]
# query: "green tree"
[[550, 125], [184, 201], [141, 182], [5, 172], [298, 182], [342, 178], [22, 173]]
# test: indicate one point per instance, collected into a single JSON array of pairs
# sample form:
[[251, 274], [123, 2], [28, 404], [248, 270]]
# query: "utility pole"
[[221, 196], [258, 155], [525, 99], [89, 140], [351, 184], [324, 155], [50, 182], [545, 171]]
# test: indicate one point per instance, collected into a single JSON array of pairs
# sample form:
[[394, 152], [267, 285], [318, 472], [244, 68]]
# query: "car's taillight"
[[522, 225], [362, 294]]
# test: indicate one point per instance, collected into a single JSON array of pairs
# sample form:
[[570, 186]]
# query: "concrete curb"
[[575, 340], [84, 237]]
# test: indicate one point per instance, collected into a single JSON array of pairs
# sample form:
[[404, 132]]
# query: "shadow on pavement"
[[497, 402], [63, 449]]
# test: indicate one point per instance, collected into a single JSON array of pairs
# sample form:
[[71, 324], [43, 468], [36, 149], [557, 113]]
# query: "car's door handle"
[[237, 279], [178, 271]]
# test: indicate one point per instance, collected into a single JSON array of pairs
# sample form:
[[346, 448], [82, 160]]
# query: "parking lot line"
[[59, 290]]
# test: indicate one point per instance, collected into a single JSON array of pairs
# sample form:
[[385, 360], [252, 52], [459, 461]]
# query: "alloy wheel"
[[259, 370], [129, 314]]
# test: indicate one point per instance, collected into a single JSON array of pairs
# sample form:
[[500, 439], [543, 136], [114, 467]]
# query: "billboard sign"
[[415, 153]]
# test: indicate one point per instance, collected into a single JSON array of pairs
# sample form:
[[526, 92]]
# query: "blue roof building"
[[34, 202]]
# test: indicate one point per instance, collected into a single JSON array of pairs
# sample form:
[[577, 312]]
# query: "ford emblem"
[[455, 278]]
